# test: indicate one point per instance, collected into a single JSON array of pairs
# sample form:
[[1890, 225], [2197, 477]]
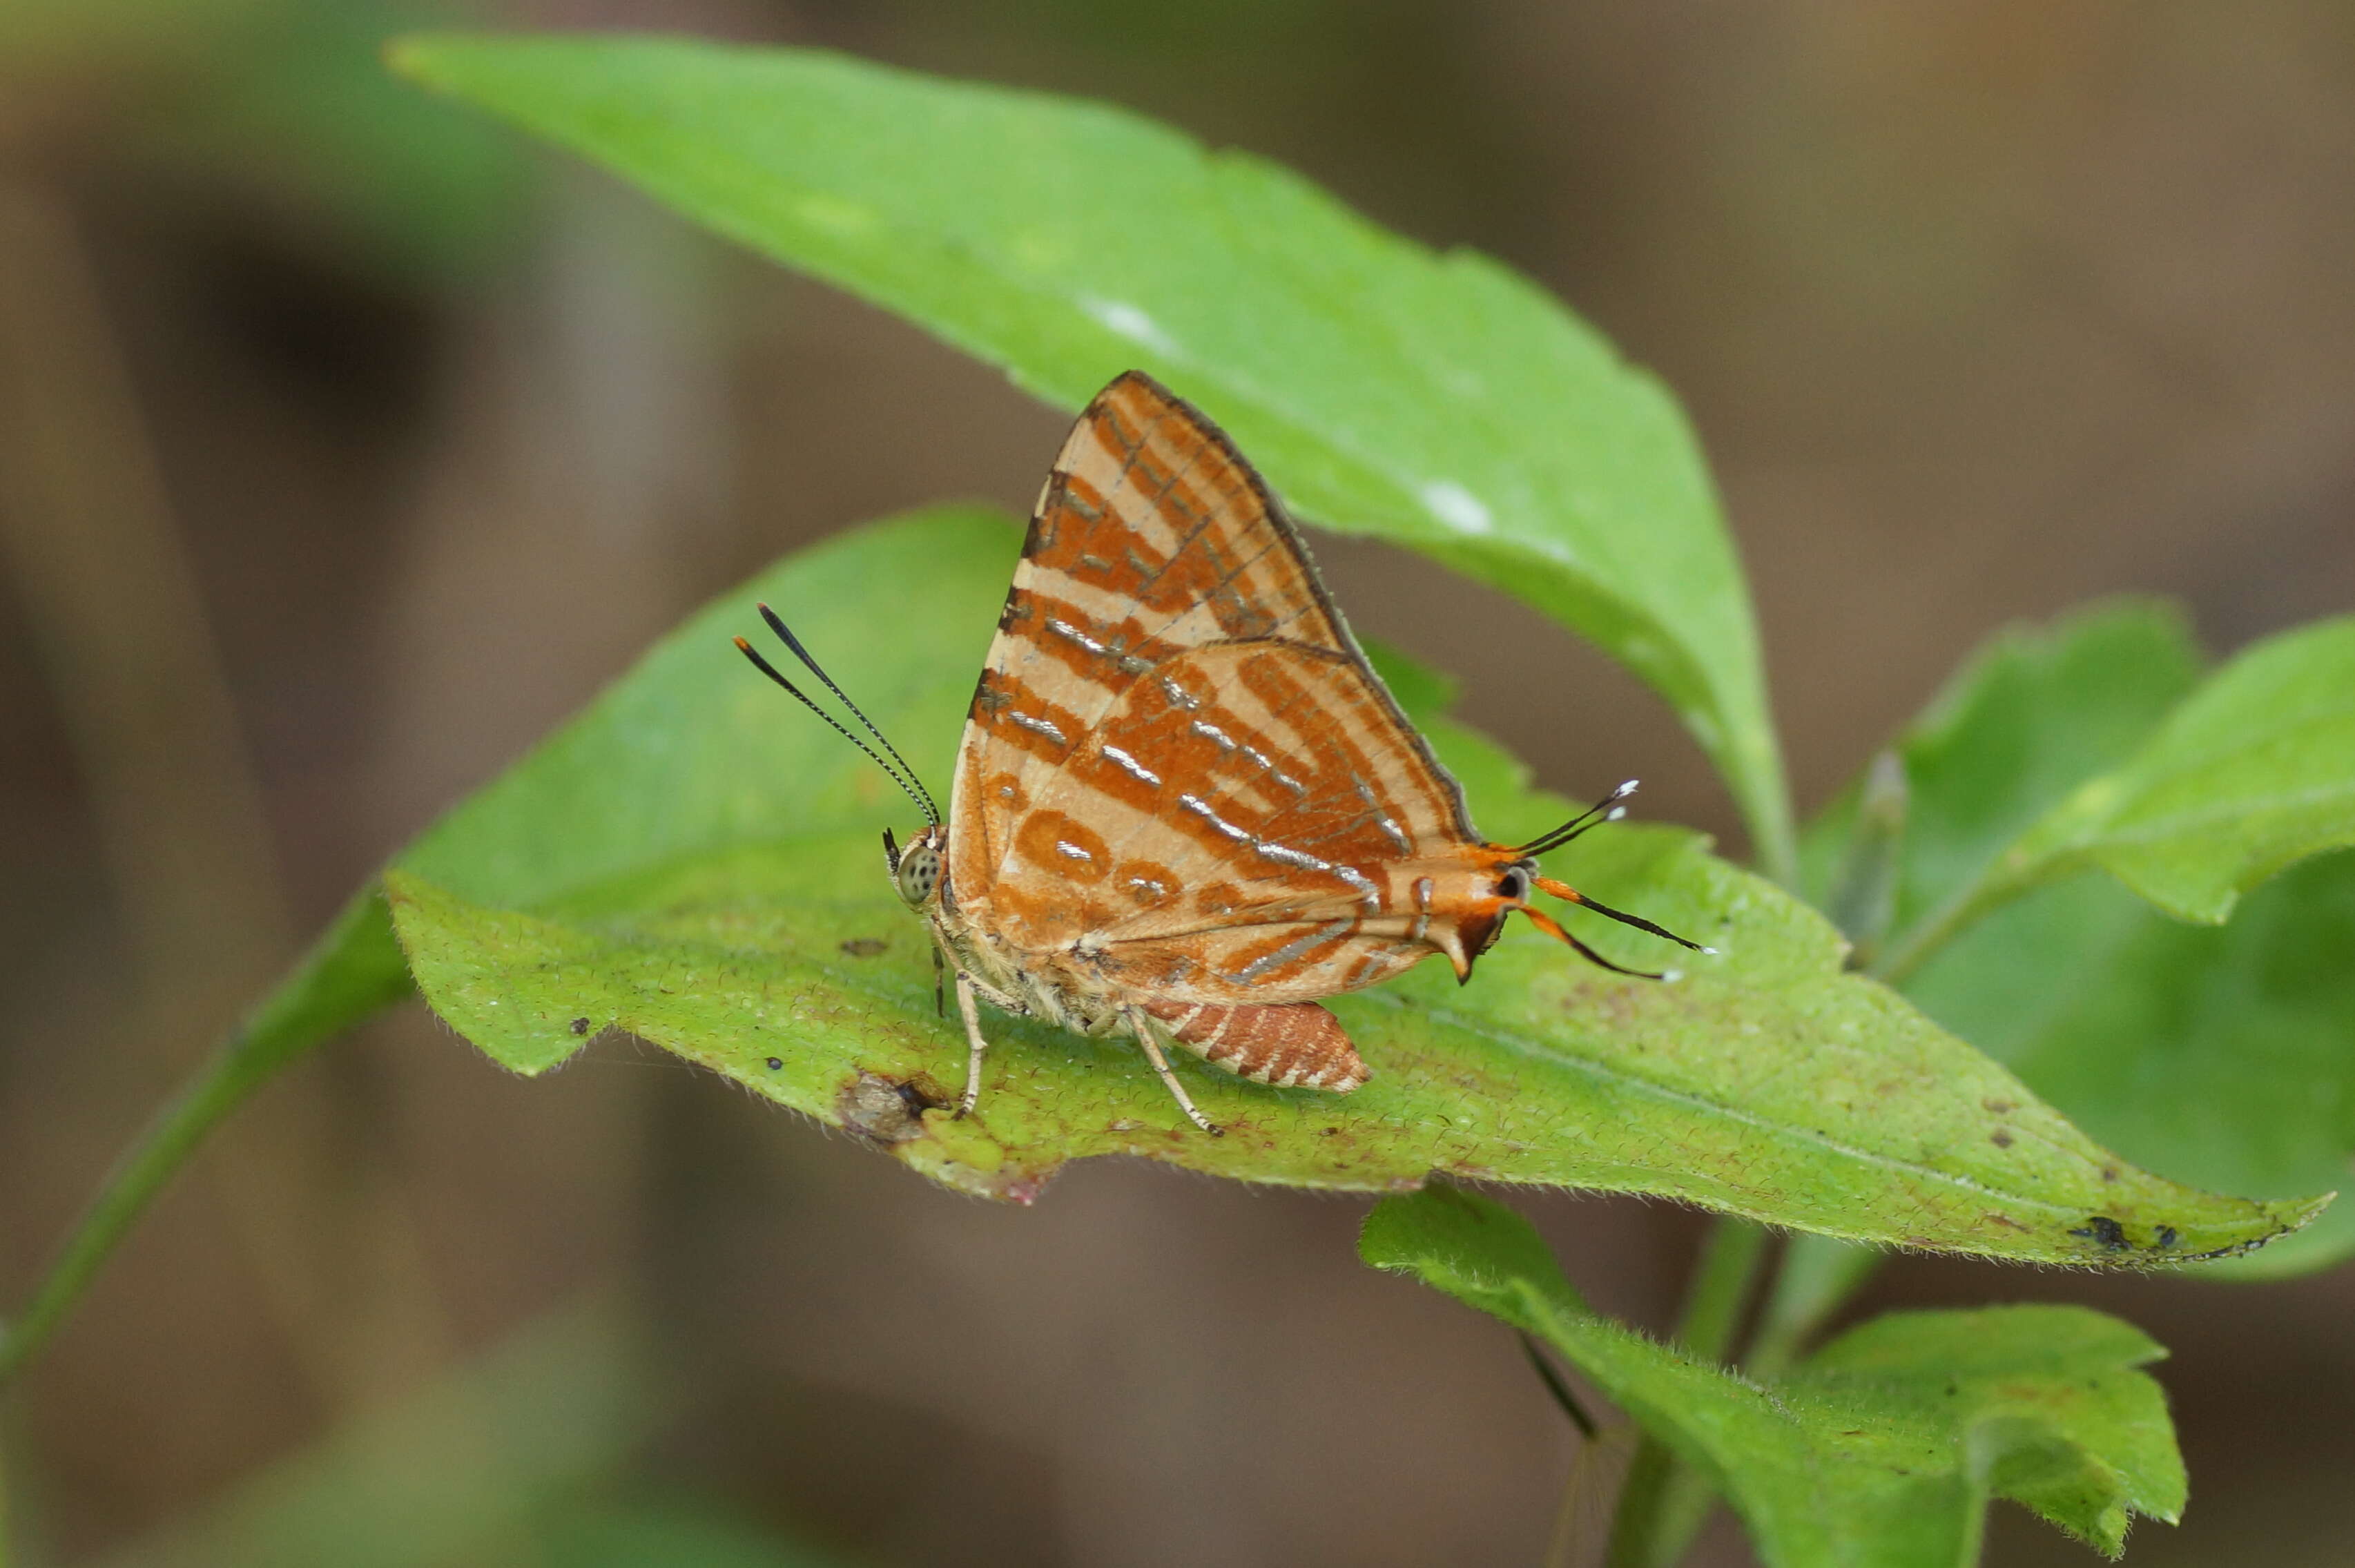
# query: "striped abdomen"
[[1294, 1045]]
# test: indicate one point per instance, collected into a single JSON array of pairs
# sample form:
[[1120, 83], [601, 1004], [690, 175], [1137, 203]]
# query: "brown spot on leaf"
[[2106, 1232], [579, 1025], [886, 1110], [2000, 1138], [864, 946], [2000, 1107]]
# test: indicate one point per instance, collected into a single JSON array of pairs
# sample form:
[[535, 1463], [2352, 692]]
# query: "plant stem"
[[1634, 1532], [1721, 1287], [355, 969], [1816, 1277], [1664, 1502], [1557, 1387], [1774, 841], [1980, 899]]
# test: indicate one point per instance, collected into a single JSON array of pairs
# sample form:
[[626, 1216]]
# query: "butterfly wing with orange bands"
[[1180, 780]]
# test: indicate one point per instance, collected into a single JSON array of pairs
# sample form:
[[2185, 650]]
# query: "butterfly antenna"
[[914, 791], [777, 624], [1552, 928], [1569, 894], [1608, 809]]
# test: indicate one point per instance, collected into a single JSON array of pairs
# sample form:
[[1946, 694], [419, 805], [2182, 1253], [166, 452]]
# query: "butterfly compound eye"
[[919, 873]]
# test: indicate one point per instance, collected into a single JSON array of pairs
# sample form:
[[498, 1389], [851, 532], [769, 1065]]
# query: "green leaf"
[[2039, 1405], [1439, 401], [1886, 1447], [2253, 773], [2248, 774], [695, 860], [2223, 1056], [2033, 715]]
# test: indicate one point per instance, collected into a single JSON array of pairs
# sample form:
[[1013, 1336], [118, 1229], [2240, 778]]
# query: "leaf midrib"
[[1531, 1048]]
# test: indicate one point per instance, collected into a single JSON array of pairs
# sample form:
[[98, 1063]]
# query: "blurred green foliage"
[[288, 102], [530, 1457]]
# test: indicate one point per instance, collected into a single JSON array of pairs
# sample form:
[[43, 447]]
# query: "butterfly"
[[1185, 808]]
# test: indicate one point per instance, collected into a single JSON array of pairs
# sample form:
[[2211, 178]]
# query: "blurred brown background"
[[347, 442]]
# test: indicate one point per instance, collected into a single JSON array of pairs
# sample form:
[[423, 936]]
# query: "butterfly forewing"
[[1185, 806], [1178, 764]]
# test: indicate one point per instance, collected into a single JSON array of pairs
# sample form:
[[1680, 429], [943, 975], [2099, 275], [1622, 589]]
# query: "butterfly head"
[[919, 869], [1503, 880], [1489, 882]]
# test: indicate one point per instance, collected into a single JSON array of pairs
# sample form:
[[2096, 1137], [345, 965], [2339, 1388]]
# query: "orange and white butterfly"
[[1185, 806]]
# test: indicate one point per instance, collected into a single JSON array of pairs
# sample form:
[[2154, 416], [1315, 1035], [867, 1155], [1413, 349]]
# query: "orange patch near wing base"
[[1063, 847]]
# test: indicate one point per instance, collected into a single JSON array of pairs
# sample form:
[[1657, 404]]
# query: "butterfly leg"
[[1143, 1027], [975, 1046]]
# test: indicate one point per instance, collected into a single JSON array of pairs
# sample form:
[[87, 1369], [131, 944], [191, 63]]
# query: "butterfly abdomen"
[[1291, 1045]]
